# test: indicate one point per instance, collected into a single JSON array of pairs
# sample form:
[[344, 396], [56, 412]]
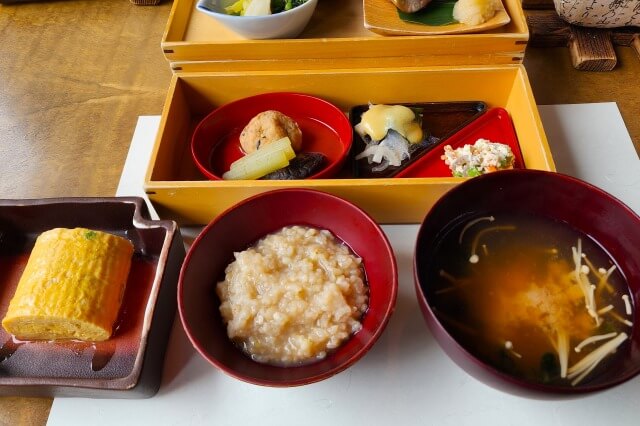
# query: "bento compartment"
[[179, 191]]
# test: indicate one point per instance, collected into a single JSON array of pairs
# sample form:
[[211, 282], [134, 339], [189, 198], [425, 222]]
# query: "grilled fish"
[[410, 6]]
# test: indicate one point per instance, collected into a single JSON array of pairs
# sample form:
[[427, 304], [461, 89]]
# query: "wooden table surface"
[[77, 74]]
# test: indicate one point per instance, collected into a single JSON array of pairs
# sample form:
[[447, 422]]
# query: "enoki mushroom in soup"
[[533, 297]]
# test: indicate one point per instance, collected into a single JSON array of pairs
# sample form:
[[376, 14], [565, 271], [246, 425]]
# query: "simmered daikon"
[[265, 160]]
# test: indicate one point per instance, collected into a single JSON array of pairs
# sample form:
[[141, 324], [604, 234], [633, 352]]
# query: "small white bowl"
[[288, 24]]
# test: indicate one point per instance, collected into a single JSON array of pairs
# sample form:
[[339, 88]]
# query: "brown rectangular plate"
[[129, 364], [381, 16], [439, 120]]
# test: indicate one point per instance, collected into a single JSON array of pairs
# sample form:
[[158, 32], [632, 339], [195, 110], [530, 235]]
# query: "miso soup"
[[532, 297]]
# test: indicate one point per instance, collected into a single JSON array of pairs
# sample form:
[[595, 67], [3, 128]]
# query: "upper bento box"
[[335, 37], [179, 191]]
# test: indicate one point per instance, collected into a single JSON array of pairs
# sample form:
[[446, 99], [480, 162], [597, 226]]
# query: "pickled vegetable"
[[258, 8]]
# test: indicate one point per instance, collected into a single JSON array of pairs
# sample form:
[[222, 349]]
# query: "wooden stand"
[[591, 49]]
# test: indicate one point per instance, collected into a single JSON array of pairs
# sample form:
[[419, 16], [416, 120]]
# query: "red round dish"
[[215, 143], [237, 229]]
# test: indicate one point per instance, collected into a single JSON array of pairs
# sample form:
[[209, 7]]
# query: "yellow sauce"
[[379, 119]]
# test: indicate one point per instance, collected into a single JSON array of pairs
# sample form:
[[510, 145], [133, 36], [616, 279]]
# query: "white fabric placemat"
[[591, 142], [406, 379]]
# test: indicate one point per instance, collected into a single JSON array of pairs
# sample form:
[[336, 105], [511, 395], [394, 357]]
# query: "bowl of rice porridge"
[[288, 287]]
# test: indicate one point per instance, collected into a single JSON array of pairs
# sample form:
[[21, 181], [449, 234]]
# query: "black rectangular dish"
[[129, 364], [439, 121]]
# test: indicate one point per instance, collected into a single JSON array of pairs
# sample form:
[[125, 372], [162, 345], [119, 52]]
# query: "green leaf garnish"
[[90, 235], [473, 172], [436, 13], [549, 367]]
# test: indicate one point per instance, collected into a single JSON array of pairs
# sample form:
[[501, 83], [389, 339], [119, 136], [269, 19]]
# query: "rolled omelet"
[[72, 286]]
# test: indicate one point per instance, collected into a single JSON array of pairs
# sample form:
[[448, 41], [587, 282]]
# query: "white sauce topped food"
[[379, 119], [293, 296], [482, 157]]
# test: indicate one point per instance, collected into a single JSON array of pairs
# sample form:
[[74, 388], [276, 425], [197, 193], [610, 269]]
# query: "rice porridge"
[[293, 296]]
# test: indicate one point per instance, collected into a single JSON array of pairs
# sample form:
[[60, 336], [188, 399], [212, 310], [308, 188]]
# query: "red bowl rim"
[[327, 171], [390, 306]]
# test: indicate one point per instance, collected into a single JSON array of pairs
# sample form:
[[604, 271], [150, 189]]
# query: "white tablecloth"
[[406, 379]]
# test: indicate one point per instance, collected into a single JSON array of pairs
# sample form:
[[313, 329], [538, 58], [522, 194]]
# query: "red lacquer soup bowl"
[[246, 223], [609, 228], [215, 143]]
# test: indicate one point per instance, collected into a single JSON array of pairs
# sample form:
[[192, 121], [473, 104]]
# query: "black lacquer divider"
[[440, 120]]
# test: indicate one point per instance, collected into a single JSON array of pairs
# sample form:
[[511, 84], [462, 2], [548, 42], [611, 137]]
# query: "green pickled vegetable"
[[263, 161], [240, 7], [283, 145], [258, 168], [236, 8]]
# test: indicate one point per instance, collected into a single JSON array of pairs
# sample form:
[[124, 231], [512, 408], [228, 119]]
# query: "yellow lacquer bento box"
[[179, 191], [335, 37]]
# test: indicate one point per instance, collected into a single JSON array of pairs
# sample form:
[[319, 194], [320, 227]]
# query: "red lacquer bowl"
[[325, 129], [587, 209], [243, 225]]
